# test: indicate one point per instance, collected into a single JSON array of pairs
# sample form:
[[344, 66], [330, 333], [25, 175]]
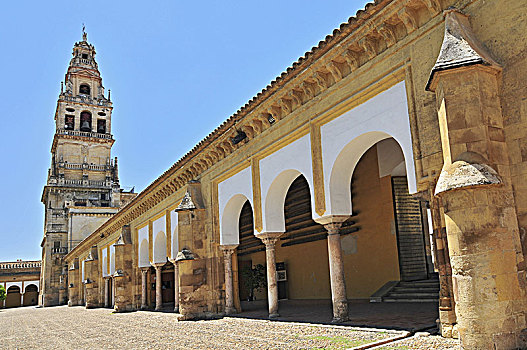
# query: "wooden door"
[[167, 286]]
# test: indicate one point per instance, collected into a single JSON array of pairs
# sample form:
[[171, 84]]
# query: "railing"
[[84, 134], [86, 99], [59, 250], [77, 166], [20, 265], [79, 183], [83, 182]]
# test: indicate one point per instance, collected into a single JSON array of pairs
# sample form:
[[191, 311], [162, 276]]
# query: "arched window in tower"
[[84, 89], [69, 122], [101, 126], [86, 121]]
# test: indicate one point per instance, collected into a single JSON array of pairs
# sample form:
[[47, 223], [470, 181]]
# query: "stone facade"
[[427, 94], [82, 190], [21, 280]]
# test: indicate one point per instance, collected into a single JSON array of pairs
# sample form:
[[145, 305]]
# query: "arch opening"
[[85, 121], [31, 295], [250, 267], [229, 228], [144, 260], [84, 89], [275, 198], [13, 297], [160, 248]]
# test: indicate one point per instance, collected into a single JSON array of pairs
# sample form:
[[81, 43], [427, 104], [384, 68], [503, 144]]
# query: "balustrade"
[[20, 265], [84, 134]]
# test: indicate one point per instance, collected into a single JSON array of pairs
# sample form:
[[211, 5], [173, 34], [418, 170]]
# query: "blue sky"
[[177, 69]]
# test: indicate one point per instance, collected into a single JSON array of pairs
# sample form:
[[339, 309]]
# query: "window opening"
[[69, 122], [84, 89], [86, 121], [101, 126]]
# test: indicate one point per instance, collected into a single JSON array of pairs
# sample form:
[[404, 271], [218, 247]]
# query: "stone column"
[[269, 239], [21, 299], [106, 290], [478, 204], [176, 284], [229, 288], [159, 289], [144, 274], [447, 315], [336, 273]]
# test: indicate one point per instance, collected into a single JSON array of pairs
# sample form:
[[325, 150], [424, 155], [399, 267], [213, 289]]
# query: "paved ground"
[[78, 328], [403, 316]]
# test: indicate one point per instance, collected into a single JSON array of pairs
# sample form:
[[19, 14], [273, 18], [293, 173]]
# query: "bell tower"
[[82, 189]]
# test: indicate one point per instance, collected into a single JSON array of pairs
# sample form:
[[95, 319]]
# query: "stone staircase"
[[421, 291]]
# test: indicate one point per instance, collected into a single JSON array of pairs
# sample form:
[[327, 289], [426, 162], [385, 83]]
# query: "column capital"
[[144, 270], [173, 261], [157, 265], [228, 249], [269, 238], [331, 219], [333, 228]]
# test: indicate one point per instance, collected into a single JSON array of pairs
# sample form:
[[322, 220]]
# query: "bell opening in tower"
[[84, 89], [69, 122], [86, 121], [101, 126]]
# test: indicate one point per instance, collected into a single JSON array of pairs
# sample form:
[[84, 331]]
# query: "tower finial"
[[84, 34]]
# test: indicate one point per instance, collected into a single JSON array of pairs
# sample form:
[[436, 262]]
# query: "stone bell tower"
[[82, 189]]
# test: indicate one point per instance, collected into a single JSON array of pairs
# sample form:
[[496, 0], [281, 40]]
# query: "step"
[[393, 300], [427, 283], [420, 289], [413, 295]]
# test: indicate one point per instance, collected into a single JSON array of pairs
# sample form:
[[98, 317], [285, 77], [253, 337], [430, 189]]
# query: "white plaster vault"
[[343, 141]]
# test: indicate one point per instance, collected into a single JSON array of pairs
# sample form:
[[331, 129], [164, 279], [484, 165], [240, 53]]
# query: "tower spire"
[[84, 34]]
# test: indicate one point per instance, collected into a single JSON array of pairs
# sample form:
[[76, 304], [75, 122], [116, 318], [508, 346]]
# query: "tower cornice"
[[80, 136]]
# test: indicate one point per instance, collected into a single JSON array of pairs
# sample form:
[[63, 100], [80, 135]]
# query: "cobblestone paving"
[[78, 328], [423, 342]]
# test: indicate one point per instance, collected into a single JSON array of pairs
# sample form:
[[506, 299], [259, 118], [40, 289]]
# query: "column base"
[[176, 309], [339, 319], [271, 316], [230, 311], [340, 311]]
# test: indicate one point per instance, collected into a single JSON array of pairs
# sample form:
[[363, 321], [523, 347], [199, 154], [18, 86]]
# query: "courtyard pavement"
[[413, 317], [77, 328]]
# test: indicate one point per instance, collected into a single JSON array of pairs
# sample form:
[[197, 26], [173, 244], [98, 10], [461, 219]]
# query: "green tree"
[[2, 293], [254, 279]]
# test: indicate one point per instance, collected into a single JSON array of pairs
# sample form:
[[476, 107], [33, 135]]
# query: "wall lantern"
[[240, 136]]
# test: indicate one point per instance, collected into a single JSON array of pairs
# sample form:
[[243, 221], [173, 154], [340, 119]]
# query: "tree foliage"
[[2, 293], [254, 279]]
